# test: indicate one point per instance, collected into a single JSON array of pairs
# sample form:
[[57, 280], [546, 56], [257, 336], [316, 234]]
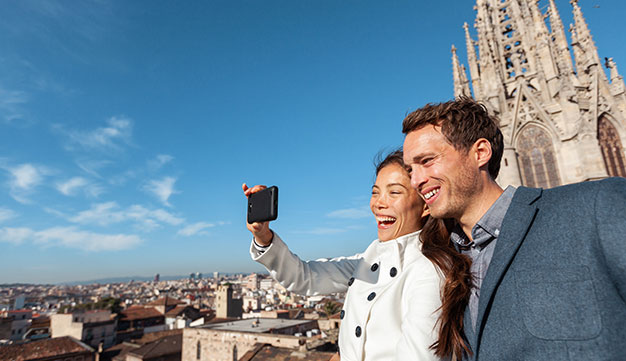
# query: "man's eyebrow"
[[419, 157]]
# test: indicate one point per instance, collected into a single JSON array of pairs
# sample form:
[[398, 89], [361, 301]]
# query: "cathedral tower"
[[562, 118]]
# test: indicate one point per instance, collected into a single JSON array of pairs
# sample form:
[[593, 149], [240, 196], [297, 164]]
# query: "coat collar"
[[517, 221]]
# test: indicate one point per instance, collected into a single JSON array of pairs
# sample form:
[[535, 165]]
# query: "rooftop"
[[165, 346], [43, 348], [257, 325], [266, 352], [139, 313], [165, 301]]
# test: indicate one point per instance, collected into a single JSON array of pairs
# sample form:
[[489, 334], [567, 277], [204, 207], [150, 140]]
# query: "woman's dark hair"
[[455, 267], [394, 157]]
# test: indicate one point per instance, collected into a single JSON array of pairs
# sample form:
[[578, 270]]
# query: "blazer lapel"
[[515, 225], [469, 331]]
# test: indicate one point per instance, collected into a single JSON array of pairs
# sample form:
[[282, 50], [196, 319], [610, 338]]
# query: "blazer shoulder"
[[573, 193], [613, 184], [525, 195]]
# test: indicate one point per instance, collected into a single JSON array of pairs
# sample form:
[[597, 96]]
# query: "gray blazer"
[[556, 285]]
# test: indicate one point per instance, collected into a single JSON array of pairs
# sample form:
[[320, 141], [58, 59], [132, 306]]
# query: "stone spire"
[[579, 52], [541, 31], [461, 85], [564, 59], [489, 63], [584, 40], [617, 81], [472, 61]]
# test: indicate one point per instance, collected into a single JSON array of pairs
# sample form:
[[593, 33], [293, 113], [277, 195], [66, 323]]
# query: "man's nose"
[[418, 178]]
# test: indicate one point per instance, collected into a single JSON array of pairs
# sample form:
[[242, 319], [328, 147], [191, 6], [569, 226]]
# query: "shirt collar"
[[490, 222]]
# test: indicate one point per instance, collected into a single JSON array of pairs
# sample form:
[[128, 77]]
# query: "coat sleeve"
[[610, 211], [420, 310], [309, 278]]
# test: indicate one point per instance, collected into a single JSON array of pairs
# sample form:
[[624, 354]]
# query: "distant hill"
[[133, 278]]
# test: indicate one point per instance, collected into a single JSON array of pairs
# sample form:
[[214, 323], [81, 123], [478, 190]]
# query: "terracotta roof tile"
[[51, 347], [266, 352], [165, 301], [165, 346], [139, 313]]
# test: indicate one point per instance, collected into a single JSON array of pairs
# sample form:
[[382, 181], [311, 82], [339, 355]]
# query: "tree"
[[331, 308]]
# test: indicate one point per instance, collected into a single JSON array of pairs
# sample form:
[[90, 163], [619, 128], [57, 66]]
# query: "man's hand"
[[260, 230]]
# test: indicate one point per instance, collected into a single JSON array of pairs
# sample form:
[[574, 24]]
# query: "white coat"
[[392, 301]]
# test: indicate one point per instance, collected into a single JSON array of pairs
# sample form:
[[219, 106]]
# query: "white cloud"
[[25, 176], [116, 133], [149, 219], [11, 104], [104, 214], [159, 161], [351, 213], [70, 237], [6, 214], [92, 167], [70, 186], [23, 179], [101, 214], [195, 229], [166, 217], [162, 189], [75, 184], [15, 235]]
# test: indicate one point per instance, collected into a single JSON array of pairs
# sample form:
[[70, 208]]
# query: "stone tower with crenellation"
[[562, 118]]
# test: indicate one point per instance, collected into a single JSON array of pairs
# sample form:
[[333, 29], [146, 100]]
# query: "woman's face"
[[396, 205]]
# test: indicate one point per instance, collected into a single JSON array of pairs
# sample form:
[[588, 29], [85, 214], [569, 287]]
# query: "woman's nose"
[[381, 202]]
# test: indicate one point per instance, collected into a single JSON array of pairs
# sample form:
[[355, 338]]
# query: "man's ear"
[[482, 151]]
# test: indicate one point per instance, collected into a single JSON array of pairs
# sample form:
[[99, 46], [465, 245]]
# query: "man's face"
[[446, 178]]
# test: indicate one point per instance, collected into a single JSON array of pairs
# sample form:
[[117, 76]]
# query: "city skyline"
[[128, 128]]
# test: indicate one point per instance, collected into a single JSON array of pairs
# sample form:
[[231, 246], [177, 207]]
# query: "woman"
[[406, 293]]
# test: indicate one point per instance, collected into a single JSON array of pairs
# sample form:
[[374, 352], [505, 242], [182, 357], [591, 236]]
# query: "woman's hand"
[[260, 230]]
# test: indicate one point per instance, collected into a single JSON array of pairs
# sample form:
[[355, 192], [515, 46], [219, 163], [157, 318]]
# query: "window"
[[198, 351], [235, 353], [537, 160], [611, 147]]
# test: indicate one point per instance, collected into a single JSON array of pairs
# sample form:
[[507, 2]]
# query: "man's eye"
[[427, 160]]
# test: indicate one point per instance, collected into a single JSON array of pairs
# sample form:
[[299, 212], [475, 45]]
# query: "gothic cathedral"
[[563, 119]]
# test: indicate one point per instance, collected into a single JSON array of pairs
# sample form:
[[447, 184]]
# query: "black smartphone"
[[263, 205]]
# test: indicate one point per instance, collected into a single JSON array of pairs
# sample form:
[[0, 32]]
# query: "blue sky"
[[127, 127]]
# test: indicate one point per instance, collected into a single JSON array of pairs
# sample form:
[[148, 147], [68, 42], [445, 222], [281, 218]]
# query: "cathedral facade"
[[563, 119]]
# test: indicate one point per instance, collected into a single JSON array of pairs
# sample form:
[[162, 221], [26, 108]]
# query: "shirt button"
[[374, 267], [357, 332], [371, 296], [393, 272], [341, 314], [350, 281]]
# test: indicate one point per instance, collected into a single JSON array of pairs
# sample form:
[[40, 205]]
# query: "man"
[[549, 266]]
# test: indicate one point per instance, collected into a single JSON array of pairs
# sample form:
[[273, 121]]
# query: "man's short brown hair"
[[463, 121]]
